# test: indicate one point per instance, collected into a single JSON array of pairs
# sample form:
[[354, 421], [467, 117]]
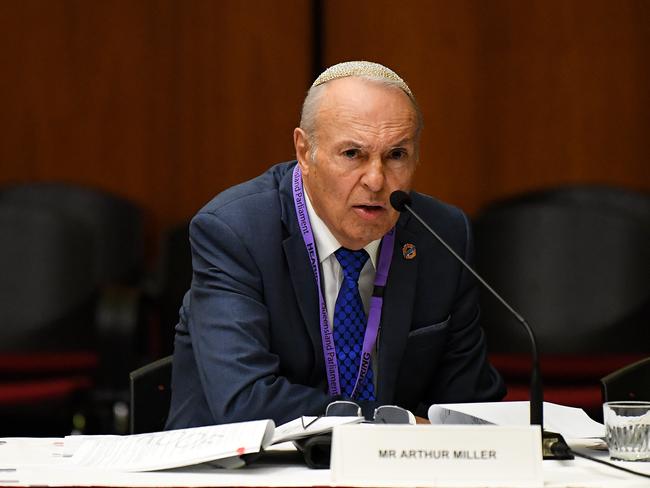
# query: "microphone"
[[401, 201]]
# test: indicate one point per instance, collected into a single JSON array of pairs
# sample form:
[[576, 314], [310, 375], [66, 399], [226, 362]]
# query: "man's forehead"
[[350, 100], [360, 95]]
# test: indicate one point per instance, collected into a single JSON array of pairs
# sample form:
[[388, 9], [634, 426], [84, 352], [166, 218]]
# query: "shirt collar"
[[326, 243]]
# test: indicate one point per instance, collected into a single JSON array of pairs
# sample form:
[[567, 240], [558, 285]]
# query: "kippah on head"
[[361, 68]]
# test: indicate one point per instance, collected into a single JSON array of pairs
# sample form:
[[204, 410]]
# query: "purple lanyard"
[[376, 300]]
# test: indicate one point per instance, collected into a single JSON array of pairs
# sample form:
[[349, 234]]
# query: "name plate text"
[[437, 455]]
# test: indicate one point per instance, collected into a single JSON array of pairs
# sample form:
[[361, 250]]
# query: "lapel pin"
[[409, 251]]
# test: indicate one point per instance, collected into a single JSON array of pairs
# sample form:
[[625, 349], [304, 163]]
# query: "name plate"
[[437, 455]]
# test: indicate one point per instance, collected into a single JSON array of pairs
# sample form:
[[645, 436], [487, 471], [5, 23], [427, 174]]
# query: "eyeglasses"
[[384, 414], [343, 408]]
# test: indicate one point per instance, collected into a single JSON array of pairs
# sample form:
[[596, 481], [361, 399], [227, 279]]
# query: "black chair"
[[613, 200], [150, 396], [631, 382], [574, 261], [47, 359], [115, 223], [114, 227], [166, 287]]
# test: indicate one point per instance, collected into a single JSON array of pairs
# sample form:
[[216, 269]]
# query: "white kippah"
[[361, 68]]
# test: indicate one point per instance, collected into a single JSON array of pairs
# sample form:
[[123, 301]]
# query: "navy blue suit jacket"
[[248, 342]]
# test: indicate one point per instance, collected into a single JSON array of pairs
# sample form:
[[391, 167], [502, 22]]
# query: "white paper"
[[28, 451], [316, 425], [571, 422], [220, 444], [171, 449], [72, 442], [38, 462]]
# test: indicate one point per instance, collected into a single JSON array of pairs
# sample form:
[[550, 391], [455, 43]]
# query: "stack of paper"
[[223, 445], [571, 422]]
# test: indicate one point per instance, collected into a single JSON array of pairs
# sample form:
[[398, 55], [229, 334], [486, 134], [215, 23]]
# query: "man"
[[278, 321]]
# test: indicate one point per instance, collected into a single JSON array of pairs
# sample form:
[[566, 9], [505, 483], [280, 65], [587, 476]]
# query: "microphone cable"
[[562, 449]]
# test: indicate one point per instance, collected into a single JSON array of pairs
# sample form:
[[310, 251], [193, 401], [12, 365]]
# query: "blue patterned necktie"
[[350, 324]]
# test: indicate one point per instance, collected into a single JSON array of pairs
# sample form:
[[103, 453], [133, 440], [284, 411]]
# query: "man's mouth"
[[369, 211]]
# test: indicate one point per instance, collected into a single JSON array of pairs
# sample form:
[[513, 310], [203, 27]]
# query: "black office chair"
[[610, 199], [168, 283], [150, 396], [47, 358], [115, 223], [115, 228], [574, 261], [631, 382]]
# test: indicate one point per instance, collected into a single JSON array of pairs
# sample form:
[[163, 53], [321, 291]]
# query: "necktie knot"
[[351, 262]]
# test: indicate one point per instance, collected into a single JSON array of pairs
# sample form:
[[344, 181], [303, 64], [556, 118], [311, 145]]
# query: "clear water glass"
[[627, 426]]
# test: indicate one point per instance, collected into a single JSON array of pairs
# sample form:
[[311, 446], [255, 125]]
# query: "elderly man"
[[308, 287]]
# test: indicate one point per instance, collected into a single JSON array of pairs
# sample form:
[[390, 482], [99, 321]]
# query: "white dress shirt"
[[326, 245], [332, 273]]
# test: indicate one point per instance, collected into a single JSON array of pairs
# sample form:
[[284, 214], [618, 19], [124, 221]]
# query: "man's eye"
[[397, 154], [351, 153]]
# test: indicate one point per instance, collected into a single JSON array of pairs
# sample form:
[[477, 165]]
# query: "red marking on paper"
[[241, 450]]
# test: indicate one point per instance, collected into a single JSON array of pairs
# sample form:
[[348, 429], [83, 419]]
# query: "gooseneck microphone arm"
[[553, 445], [401, 202]]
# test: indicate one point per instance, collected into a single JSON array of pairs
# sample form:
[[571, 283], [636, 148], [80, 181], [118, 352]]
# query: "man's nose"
[[374, 178]]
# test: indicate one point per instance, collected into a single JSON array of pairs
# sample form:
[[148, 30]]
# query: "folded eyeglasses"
[[384, 414]]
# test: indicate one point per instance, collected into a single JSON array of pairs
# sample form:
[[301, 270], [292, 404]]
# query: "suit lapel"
[[396, 312], [300, 272], [398, 298]]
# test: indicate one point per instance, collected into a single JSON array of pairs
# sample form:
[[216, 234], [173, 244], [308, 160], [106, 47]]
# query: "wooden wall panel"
[[164, 102], [168, 102], [516, 95]]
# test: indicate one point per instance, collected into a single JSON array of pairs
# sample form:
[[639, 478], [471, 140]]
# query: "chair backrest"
[[170, 280], [115, 223], [150, 396], [574, 264], [46, 288], [610, 199], [629, 383]]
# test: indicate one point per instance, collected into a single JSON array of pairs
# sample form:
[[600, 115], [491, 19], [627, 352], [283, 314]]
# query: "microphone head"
[[399, 199]]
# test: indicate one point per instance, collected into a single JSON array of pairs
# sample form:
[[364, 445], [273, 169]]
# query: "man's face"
[[366, 149]]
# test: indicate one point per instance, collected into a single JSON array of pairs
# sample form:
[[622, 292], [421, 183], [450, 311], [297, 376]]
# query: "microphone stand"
[[551, 441]]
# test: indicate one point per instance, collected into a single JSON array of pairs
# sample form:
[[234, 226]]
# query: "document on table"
[[569, 421], [222, 445], [172, 449], [314, 425]]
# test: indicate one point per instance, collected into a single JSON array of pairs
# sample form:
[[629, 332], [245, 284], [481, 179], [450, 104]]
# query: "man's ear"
[[301, 144]]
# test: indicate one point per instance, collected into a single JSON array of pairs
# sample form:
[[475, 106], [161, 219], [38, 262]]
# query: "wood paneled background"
[[169, 102]]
